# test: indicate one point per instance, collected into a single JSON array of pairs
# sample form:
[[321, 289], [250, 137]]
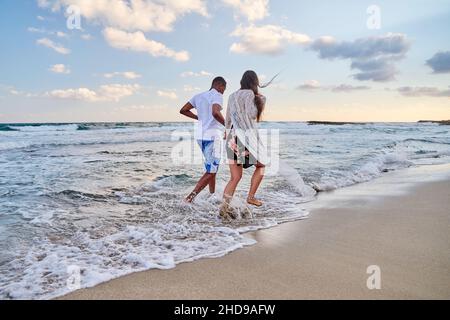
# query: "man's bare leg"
[[212, 184], [202, 183]]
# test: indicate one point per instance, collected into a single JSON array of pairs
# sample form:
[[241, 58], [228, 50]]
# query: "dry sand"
[[326, 256]]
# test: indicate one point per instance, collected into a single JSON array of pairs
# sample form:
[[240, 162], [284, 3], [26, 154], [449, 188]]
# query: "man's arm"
[[217, 114], [186, 111]]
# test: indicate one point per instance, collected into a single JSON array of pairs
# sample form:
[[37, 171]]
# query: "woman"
[[244, 146]]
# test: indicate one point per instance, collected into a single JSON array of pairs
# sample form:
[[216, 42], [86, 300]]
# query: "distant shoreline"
[[333, 123], [338, 123], [310, 122], [441, 122]]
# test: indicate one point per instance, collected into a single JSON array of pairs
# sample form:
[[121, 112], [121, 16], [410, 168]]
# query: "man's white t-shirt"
[[208, 127]]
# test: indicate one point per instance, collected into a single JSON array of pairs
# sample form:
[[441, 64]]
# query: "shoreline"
[[325, 256], [444, 122]]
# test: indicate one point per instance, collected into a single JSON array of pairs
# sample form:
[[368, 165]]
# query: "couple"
[[244, 147]]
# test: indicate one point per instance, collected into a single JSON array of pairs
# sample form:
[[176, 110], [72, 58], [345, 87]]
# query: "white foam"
[[368, 171], [295, 180], [146, 225], [189, 233], [43, 128], [131, 250]]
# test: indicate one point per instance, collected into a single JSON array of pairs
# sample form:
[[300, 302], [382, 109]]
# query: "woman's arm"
[[263, 98], [228, 117]]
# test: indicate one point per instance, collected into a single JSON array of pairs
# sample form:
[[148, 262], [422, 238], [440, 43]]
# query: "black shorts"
[[247, 160]]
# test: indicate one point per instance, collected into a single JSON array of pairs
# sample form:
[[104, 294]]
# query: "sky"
[[141, 60]]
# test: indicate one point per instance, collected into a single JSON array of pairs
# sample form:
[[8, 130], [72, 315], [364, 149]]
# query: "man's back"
[[208, 127]]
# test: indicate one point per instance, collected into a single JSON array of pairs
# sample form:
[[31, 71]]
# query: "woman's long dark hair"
[[250, 81]]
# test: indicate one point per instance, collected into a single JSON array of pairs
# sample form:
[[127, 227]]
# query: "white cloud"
[[43, 3], [313, 85], [348, 88], [52, 45], [36, 30], [167, 94], [195, 74], [424, 91], [54, 5], [115, 92], [86, 37], [11, 90], [140, 107], [143, 15], [112, 92], [15, 92], [127, 74], [40, 18], [189, 88], [59, 68], [252, 10], [310, 85], [61, 34], [74, 94], [268, 39], [126, 21], [136, 41]]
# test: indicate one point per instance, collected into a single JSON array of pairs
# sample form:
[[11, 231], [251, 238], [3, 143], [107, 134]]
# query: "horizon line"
[[268, 121]]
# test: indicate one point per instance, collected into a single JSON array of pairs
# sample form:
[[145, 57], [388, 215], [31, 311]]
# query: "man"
[[209, 131]]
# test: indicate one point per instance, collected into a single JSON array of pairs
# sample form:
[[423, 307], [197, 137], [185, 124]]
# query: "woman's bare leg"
[[257, 177], [236, 175]]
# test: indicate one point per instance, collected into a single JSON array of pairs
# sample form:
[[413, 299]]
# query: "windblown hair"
[[250, 81]]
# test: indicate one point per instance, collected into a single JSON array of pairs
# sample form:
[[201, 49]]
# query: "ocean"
[[84, 203]]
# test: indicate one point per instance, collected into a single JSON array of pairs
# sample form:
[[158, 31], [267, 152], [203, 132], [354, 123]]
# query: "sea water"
[[105, 200]]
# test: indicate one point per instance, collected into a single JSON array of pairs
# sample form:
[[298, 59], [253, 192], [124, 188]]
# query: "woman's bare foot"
[[253, 201], [246, 213], [226, 212]]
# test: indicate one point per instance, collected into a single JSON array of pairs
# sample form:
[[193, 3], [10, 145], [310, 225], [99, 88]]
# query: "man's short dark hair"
[[218, 81]]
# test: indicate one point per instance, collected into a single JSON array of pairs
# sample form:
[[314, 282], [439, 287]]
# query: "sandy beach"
[[325, 256]]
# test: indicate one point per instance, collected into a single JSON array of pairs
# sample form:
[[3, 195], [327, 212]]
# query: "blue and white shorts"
[[210, 158]]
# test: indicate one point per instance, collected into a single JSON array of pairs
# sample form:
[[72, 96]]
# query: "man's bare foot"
[[190, 198], [253, 201]]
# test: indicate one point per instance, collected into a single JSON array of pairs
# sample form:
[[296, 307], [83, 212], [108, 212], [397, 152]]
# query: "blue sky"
[[141, 60]]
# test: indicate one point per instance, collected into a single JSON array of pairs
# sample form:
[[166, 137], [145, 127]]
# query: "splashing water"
[[107, 198]]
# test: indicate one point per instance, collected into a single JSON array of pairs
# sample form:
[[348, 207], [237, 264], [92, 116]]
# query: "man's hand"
[[217, 114], [186, 111]]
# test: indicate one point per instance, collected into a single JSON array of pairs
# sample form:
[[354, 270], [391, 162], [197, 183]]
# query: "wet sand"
[[395, 222]]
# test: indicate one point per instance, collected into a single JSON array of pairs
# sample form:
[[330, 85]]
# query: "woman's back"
[[241, 111]]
